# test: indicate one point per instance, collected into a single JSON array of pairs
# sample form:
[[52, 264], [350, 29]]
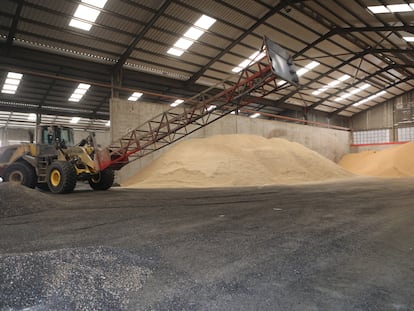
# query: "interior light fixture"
[[177, 102], [369, 98], [135, 96], [74, 120], [11, 83], [330, 85], [85, 15], [353, 92], [194, 33], [108, 124], [79, 92], [255, 115], [256, 56], [409, 39]]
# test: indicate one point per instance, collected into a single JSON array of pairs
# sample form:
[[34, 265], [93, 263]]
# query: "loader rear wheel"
[[61, 177], [103, 180], [21, 173]]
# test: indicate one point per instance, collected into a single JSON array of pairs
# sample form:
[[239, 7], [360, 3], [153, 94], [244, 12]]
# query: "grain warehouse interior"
[[216, 155]]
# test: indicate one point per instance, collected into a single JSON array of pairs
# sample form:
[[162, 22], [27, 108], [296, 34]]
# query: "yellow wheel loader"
[[54, 163]]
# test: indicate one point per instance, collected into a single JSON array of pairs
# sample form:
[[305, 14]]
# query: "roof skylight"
[[85, 15], [353, 92], [12, 83], [79, 92], [392, 8], [369, 98], [74, 120], [256, 56], [135, 96], [205, 22], [395, 8], [211, 107], [307, 68], [177, 102], [330, 85], [31, 117], [195, 32]]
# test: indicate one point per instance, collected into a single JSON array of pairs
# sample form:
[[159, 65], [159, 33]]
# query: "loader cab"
[[60, 136]]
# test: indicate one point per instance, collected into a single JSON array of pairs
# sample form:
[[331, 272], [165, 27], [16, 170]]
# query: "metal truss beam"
[[13, 28], [258, 23]]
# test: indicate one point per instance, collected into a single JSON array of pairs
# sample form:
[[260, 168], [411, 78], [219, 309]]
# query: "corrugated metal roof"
[[43, 25]]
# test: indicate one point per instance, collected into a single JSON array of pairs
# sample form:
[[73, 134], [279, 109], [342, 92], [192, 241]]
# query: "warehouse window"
[[406, 134], [371, 137]]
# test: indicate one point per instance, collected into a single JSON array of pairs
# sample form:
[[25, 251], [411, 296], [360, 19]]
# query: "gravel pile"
[[92, 278], [16, 200]]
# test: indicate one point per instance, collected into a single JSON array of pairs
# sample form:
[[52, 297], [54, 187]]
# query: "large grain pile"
[[235, 160], [393, 162]]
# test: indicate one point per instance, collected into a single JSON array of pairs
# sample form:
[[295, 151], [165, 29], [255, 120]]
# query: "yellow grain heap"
[[394, 162], [235, 160]]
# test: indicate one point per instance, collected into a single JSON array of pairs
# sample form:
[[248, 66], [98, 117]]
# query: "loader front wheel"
[[21, 173], [103, 180], [61, 177]]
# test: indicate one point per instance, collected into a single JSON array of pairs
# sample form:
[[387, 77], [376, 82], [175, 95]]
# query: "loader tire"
[[43, 186], [61, 177], [103, 180], [21, 173]]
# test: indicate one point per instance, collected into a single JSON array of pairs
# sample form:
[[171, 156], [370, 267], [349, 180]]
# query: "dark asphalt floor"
[[336, 246]]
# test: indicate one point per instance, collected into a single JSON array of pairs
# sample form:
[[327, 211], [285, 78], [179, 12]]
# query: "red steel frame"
[[178, 122]]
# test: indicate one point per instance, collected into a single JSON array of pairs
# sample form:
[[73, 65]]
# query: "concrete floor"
[[337, 246]]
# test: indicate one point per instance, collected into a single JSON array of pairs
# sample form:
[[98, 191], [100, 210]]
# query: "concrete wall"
[[128, 115]]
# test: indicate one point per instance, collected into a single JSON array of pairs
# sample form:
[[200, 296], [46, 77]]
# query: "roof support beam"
[[13, 28], [388, 87], [355, 57], [406, 79], [258, 23], [336, 31], [123, 58]]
